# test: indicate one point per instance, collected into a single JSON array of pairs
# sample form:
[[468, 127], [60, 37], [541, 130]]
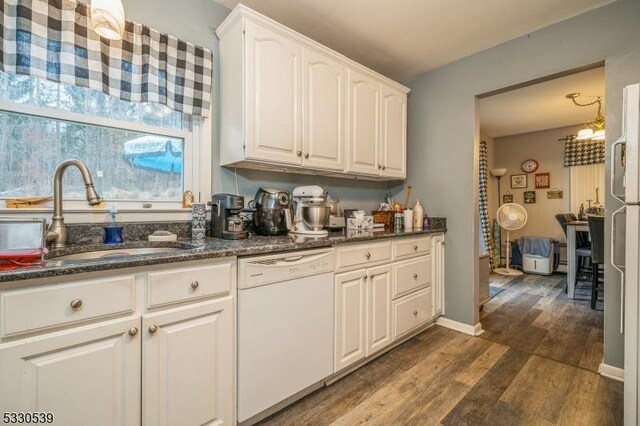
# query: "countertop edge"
[[195, 254]]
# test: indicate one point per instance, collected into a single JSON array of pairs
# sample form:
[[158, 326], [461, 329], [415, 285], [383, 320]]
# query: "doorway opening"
[[537, 180]]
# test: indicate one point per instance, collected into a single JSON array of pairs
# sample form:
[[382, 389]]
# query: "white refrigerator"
[[625, 186]]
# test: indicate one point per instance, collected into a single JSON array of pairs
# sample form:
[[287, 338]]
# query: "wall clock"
[[529, 166]]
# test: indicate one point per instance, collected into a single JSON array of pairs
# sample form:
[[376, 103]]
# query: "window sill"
[[97, 215]]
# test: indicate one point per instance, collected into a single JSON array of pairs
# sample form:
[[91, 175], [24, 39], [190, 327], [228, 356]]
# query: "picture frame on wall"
[[529, 197], [507, 198], [543, 180], [518, 181], [555, 194]]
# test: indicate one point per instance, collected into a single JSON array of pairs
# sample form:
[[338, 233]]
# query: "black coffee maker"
[[226, 222]]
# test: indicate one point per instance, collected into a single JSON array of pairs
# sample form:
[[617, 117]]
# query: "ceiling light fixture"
[[594, 130], [107, 17]]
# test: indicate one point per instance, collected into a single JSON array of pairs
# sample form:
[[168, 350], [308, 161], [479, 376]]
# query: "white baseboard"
[[460, 326], [611, 372]]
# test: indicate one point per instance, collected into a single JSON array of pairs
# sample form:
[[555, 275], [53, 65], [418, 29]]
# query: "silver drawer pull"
[[415, 247], [415, 276], [75, 304], [415, 313], [195, 285], [153, 328], [133, 331], [368, 255]]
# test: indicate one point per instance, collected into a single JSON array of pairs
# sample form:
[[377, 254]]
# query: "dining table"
[[572, 228]]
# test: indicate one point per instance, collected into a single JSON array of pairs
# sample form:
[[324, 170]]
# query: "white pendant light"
[[584, 134], [107, 17]]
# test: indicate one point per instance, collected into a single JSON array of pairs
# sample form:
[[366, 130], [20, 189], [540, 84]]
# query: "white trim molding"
[[460, 326], [611, 372]]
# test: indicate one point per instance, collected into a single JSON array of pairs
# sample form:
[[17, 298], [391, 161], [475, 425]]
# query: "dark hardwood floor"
[[536, 364]]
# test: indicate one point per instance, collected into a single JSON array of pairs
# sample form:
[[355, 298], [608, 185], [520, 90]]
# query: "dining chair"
[[596, 229], [583, 247]]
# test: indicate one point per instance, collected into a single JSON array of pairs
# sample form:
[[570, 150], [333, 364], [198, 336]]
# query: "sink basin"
[[117, 253]]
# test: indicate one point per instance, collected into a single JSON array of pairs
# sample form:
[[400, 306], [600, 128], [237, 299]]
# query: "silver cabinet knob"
[[384, 167], [365, 276], [133, 331], [415, 313], [75, 304], [195, 285], [371, 276], [306, 156], [415, 276], [368, 255], [153, 328], [379, 166], [415, 247], [299, 153]]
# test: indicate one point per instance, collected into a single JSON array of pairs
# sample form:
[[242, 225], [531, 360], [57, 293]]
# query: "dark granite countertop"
[[192, 250]]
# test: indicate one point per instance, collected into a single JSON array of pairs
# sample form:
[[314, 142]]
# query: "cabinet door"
[[273, 96], [364, 120], [394, 133], [379, 308], [324, 128], [437, 274], [87, 375], [350, 312], [187, 358]]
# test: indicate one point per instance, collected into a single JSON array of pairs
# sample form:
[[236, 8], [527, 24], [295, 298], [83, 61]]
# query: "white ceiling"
[[404, 38], [542, 106]]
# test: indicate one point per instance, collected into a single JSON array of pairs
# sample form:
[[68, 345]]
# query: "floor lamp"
[[498, 173]]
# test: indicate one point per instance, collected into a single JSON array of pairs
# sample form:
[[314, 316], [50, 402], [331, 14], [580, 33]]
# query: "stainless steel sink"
[[117, 253]]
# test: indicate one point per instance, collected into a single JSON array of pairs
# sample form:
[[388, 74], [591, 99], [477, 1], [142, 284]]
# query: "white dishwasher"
[[285, 327]]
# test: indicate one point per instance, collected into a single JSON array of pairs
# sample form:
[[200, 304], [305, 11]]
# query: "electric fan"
[[511, 217]]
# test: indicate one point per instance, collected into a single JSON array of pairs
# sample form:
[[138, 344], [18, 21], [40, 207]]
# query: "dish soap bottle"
[[418, 215], [113, 227]]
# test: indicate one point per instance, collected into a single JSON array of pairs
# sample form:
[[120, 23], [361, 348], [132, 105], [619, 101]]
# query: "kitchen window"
[[137, 153]]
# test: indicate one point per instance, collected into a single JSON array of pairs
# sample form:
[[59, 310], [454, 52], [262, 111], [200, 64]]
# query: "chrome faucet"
[[57, 232]]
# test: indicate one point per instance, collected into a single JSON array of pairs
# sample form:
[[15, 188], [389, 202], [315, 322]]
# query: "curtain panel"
[[583, 153], [484, 201], [54, 40]]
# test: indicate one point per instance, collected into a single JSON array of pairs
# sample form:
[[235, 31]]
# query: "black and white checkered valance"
[[583, 153], [54, 39]]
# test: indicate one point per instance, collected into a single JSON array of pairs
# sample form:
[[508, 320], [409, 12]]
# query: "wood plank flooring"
[[535, 364]]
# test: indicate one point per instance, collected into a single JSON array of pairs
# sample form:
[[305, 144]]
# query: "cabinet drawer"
[[411, 311], [411, 274], [362, 255], [411, 247], [193, 283], [44, 307]]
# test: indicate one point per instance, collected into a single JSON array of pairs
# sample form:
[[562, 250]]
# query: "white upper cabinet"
[[364, 124], [291, 104], [273, 96], [323, 122], [393, 147]]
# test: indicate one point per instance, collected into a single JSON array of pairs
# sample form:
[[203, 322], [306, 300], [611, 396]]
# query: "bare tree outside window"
[[126, 164]]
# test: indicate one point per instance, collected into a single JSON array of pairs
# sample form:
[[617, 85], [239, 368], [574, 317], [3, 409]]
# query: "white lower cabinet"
[[86, 375], [437, 273], [169, 366], [187, 365], [411, 311], [350, 317], [378, 308]]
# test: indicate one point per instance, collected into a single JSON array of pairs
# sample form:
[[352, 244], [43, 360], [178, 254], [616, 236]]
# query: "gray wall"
[[443, 131], [195, 21]]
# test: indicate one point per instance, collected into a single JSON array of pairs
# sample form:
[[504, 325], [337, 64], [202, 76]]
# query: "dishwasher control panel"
[[263, 270]]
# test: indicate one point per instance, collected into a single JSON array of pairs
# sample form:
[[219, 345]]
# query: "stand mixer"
[[312, 211]]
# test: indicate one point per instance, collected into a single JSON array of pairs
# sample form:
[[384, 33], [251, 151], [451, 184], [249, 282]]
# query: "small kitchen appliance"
[[226, 222], [312, 211], [272, 215], [336, 218]]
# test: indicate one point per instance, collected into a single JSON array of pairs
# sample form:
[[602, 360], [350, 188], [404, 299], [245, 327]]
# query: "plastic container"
[[418, 216], [408, 219]]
